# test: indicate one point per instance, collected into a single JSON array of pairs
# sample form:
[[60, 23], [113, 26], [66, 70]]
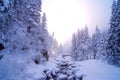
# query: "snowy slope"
[[96, 70]]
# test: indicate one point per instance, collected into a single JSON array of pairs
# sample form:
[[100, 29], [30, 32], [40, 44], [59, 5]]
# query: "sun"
[[65, 17]]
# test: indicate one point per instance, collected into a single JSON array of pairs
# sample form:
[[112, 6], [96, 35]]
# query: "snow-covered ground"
[[90, 69], [97, 70]]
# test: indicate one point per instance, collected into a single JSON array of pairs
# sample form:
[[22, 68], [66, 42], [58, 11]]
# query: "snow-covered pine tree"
[[103, 45], [86, 43], [96, 42], [81, 45], [113, 46], [74, 53], [21, 28], [46, 37], [44, 31]]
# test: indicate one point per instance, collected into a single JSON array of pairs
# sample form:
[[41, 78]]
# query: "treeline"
[[84, 47], [102, 45]]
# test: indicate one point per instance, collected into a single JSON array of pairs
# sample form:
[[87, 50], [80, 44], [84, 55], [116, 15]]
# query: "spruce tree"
[[81, 45], [96, 42], [74, 53], [113, 46]]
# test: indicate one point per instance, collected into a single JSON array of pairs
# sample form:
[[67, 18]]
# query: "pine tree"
[[113, 46], [96, 42], [74, 53], [81, 45], [103, 45], [45, 34], [86, 43]]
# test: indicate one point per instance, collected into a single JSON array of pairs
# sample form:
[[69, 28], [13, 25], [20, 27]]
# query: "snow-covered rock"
[[62, 77], [72, 77], [40, 77]]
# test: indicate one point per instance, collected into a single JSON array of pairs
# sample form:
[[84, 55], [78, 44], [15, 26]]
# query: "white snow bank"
[[36, 71], [96, 70]]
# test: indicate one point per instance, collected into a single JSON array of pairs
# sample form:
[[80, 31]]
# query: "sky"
[[66, 16]]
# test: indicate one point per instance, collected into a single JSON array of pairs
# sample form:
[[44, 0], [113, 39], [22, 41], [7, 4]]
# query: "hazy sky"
[[65, 16]]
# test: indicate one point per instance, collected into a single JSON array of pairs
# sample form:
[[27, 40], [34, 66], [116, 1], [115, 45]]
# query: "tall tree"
[[113, 46], [103, 45], [45, 34], [74, 53], [96, 41], [81, 44]]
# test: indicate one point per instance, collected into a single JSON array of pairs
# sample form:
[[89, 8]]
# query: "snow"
[[89, 69], [62, 77], [37, 70], [6, 3], [97, 70]]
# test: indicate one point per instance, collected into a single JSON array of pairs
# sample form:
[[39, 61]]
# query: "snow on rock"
[[41, 71], [48, 73], [62, 77], [54, 70], [71, 77], [40, 76]]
